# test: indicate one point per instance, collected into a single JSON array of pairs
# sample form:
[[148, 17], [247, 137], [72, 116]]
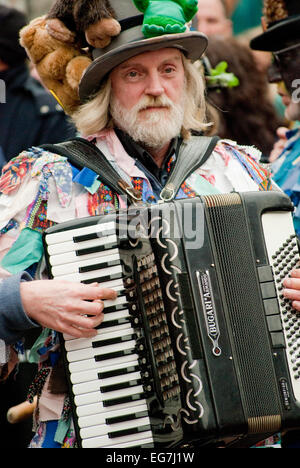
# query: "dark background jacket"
[[30, 116]]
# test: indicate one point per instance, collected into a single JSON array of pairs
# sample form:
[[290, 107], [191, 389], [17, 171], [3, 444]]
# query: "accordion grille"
[[244, 305]]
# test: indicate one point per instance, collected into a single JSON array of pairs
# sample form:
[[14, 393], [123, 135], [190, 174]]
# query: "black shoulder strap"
[[82, 153], [192, 155]]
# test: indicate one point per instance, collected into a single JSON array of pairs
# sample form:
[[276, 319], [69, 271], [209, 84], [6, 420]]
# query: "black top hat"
[[283, 25], [131, 42]]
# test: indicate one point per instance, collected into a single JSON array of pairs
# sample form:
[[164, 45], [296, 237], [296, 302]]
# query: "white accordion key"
[[99, 230], [100, 418], [58, 252]]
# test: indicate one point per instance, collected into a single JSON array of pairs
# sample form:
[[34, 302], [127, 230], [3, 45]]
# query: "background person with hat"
[[30, 116], [282, 38], [142, 100], [245, 113]]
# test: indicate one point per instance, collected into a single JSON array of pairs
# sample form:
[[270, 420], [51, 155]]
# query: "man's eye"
[[169, 70], [132, 74], [212, 21]]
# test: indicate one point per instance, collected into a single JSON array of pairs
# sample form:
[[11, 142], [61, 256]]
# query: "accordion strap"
[[192, 155], [83, 153]]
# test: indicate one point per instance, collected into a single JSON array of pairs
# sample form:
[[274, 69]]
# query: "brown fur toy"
[[60, 65], [57, 44], [84, 20]]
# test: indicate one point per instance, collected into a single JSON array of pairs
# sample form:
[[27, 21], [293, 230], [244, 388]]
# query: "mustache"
[[152, 101]]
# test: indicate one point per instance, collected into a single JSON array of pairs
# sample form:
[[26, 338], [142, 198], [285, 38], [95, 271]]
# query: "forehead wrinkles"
[[145, 60]]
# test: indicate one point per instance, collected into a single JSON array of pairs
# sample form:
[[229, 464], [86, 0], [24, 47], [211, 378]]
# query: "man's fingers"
[[296, 305], [88, 323], [292, 294], [292, 288], [281, 132], [295, 273], [95, 291], [80, 326], [90, 308]]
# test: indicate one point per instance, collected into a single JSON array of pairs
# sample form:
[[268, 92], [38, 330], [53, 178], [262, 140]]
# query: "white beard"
[[152, 129]]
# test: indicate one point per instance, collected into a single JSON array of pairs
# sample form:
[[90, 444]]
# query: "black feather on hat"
[[283, 25]]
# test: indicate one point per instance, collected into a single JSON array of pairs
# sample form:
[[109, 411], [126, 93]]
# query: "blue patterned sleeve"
[[13, 319]]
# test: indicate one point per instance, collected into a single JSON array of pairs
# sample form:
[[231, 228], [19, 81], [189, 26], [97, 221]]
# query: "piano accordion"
[[200, 347]]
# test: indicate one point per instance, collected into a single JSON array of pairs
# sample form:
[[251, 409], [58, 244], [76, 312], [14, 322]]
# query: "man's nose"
[[154, 86]]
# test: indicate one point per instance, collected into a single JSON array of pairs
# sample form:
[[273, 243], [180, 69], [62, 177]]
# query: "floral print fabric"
[[54, 190]]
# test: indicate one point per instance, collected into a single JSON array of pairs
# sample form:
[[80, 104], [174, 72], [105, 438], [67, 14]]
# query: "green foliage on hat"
[[220, 78]]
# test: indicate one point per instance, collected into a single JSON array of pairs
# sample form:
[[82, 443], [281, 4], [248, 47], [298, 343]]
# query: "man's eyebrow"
[[138, 64], [129, 65]]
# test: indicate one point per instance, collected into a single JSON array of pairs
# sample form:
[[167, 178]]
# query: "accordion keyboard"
[[108, 383]]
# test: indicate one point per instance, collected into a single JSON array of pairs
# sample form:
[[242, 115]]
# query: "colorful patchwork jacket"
[[40, 189]]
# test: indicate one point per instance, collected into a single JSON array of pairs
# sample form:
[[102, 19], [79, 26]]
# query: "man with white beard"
[[142, 100]]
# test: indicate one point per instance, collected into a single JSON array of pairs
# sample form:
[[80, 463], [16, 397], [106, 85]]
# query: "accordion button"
[[278, 340], [274, 323], [268, 290], [265, 273], [271, 306]]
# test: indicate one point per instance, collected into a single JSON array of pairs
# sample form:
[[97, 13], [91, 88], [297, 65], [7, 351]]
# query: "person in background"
[[29, 115], [281, 37], [246, 112], [245, 15], [212, 18]]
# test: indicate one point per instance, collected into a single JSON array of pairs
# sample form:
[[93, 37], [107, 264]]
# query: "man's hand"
[[279, 145], [292, 288], [71, 308]]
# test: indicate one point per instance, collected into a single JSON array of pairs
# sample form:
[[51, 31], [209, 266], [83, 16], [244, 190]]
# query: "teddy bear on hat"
[[58, 44]]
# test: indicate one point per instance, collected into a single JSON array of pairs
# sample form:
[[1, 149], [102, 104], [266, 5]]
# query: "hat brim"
[[193, 44], [277, 36]]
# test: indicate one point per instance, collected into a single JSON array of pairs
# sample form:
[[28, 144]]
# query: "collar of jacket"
[[139, 153]]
